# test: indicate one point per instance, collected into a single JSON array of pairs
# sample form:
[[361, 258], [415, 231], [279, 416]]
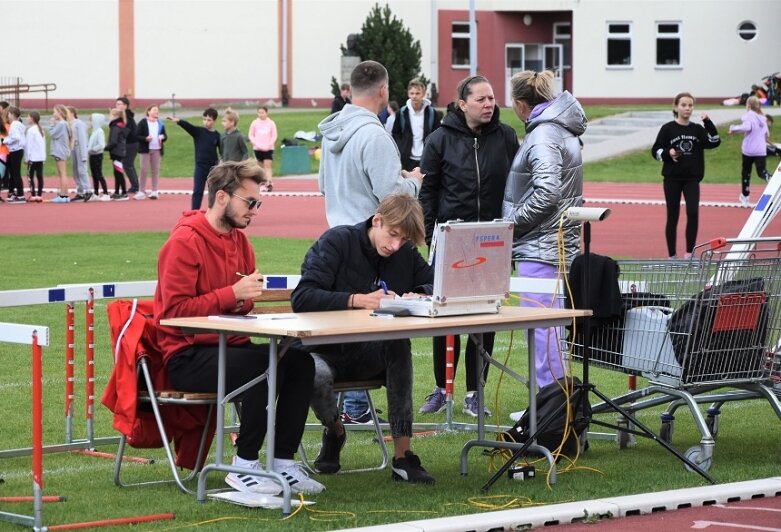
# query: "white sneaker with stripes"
[[252, 483]]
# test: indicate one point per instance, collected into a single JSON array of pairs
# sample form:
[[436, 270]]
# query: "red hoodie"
[[195, 270]]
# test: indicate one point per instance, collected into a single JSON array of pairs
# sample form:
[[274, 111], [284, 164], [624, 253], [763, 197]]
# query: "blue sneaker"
[[470, 405], [435, 402], [61, 199]]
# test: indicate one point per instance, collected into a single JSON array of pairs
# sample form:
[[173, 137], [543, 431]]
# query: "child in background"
[[206, 141], [151, 135], [95, 147], [680, 146], [773, 148], [80, 158], [15, 144], [232, 143], [35, 153], [754, 148], [117, 149], [61, 145], [263, 136]]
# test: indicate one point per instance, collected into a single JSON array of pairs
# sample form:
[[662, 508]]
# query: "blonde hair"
[[66, 115], [754, 104], [231, 115], [533, 87], [403, 212]]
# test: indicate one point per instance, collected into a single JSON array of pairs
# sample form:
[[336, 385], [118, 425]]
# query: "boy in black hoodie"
[[206, 140]]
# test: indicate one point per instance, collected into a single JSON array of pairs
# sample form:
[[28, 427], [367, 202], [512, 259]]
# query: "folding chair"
[[158, 399], [278, 300], [139, 382], [358, 386]]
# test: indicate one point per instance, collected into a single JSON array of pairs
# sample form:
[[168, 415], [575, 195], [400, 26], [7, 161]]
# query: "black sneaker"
[[410, 470], [77, 197], [327, 462], [363, 419]]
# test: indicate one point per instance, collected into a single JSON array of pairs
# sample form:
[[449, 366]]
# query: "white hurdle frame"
[[37, 336]]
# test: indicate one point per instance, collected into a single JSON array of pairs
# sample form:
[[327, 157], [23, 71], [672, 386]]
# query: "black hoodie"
[[465, 174]]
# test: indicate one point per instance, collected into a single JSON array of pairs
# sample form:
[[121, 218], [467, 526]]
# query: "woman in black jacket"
[[466, 162]]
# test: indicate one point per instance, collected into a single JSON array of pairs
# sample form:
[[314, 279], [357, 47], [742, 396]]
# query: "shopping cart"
[[705, 330]]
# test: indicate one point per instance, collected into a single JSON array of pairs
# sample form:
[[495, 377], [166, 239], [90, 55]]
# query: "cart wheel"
[[624, 439], [695, 455], [666, 432], [713, 422]]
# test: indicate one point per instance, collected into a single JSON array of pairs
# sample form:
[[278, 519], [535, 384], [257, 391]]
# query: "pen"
[[384, 286], [245, 275]]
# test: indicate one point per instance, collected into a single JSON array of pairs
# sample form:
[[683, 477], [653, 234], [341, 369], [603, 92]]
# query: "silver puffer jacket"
[[546, 178]]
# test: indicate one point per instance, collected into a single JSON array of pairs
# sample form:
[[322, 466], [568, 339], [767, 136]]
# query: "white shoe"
[[743, 200], [297, 478], [516, 416], [104, 197], [139, 196], [153, 194], [251, 483]]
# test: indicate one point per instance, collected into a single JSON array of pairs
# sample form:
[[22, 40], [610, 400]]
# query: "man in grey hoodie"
[[360, 163]]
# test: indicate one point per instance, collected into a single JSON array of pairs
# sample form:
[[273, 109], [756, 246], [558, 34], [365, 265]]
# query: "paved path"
[[620, 134]]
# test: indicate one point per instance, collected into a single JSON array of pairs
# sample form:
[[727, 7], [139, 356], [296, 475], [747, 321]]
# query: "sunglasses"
[[252, 204]]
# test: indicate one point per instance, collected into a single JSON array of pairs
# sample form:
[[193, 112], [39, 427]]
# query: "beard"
[[229, 219]]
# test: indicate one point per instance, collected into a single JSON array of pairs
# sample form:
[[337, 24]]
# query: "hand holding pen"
[[249, 286], [372, 299]]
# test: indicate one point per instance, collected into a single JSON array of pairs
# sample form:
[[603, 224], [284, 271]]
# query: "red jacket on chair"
[[133, 334]]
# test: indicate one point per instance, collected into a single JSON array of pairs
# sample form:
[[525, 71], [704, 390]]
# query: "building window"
[[668, 44], [619, 44], [562, 34], [747, 30], [460, 38]]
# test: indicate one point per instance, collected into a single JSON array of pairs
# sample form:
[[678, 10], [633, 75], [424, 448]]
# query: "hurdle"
[[36, 336], [71, 295]]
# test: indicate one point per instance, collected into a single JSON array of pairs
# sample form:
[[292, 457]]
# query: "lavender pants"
[[550, 364]]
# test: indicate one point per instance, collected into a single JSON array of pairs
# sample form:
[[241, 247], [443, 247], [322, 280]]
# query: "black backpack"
[[551, 405]]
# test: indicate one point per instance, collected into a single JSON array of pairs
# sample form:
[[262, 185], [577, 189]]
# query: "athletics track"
[[635, 229]]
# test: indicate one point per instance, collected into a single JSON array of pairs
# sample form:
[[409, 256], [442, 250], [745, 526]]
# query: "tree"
[[384, 38]]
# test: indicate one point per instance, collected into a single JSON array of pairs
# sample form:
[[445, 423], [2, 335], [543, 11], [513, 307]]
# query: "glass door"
[[514, 61], [553, 56]]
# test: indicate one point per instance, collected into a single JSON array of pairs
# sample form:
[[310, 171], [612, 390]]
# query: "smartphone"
[[238, 316], [391, 311]]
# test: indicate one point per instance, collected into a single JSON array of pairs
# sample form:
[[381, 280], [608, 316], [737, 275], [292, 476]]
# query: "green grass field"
[[722, 164], [747, 444]]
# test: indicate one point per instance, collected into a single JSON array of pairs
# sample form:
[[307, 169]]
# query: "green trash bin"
[[295, 160]]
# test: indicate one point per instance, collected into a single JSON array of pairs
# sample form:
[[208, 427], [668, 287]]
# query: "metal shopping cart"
[[705, 330]]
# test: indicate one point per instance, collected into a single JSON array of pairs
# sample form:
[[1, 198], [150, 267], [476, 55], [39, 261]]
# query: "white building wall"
[[206, 49], [715, 62], [225, 50], [321, 26], [71, 43]]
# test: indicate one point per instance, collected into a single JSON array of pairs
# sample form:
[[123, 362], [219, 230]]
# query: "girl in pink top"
[[263, 136]]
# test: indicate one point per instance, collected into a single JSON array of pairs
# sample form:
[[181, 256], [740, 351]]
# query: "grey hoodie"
[[97, 140], [60, 134], [360, 165], [546, 178]]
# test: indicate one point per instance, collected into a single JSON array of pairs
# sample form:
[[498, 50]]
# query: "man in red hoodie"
[[208, 267]]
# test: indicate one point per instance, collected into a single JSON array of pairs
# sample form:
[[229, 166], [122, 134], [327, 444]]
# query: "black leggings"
[[473, 359], [35, 171], [760, 162], [15, 185], [195, 369], [690, 188], [96, 168]]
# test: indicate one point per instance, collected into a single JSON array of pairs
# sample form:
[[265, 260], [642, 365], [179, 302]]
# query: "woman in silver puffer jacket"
[[546, 178]]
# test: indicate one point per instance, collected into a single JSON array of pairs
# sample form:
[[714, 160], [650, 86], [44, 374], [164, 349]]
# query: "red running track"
[[635, 229]]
